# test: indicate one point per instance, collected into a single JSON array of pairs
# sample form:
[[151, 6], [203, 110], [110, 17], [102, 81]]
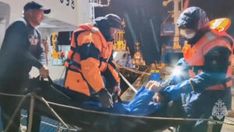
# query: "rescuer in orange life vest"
[[90, 72], [209, 57]]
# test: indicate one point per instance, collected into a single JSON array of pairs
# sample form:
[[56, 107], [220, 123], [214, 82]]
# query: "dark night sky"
[[145, 18]]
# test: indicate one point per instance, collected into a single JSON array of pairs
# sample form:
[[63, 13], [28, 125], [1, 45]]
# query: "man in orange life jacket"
[[90, 71], [209, 57]]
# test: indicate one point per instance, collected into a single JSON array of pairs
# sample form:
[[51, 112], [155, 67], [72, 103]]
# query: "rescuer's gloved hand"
[[117, 89], [116, 93], [105, 98]]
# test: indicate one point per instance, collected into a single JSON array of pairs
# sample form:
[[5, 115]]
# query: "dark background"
[[143, 20]]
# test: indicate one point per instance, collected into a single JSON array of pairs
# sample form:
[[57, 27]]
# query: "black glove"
[[162, 97], [105, 98]]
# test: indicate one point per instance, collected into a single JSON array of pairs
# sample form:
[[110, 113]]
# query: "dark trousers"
[[8, 106], [202, 106]]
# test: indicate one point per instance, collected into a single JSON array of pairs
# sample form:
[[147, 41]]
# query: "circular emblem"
[[219, 110]]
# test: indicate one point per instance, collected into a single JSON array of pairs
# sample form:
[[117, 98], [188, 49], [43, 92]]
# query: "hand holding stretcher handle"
[[105, 98]]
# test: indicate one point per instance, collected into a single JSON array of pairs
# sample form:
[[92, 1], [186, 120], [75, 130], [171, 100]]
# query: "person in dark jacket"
[[20, 51], [208, 55]]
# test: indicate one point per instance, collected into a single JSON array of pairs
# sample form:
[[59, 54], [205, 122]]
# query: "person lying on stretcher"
[[147, 101]]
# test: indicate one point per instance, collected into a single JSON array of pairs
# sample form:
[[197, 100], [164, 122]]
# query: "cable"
[[230, 122], [141, 117]]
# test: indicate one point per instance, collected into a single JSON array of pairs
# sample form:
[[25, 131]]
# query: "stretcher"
[[90, 120]]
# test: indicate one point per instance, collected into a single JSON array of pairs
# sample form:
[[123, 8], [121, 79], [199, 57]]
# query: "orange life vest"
[[194, 55], [84, 76]]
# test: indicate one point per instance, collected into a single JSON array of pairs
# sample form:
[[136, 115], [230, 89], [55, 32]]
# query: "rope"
[[128, 83], [12, 95], [141, 117], [33, 96], [125, 79], [230, 122]]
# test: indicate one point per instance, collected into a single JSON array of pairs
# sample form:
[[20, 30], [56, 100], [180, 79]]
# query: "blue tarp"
[[142, 104]]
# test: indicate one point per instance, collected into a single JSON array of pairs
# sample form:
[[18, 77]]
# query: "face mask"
[[189, 36], [187, 33]]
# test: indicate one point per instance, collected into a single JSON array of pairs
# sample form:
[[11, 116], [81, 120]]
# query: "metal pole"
[[128, 83], [176, 45], [15, 112], [52, 110], [30, 121]]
